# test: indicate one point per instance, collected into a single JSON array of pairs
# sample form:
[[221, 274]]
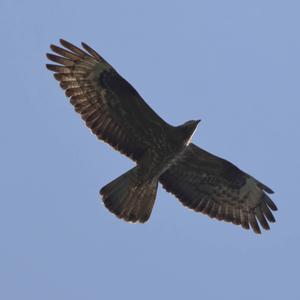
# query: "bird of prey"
[[118, 115]]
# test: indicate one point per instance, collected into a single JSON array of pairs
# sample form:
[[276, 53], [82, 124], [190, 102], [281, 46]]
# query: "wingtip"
[[268, 190], [91, 51], [62, 41], [48, 66], [51, 57], [270, 203], [85, 46], [265, 188], [53, 47], [255, 228], [65, 43]]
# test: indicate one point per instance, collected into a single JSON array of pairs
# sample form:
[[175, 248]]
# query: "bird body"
[[164, 153], [118, 115]]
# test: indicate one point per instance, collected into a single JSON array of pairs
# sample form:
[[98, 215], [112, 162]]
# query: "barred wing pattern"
[[117, 114], [108, 104], [217, 188]]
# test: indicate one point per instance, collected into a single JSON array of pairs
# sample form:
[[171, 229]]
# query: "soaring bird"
[[118, 115]]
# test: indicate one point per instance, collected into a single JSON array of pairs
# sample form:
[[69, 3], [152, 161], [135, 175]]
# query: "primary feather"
[[117, 114]]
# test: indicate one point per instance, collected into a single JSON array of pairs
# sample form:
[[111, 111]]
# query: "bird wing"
[[108, 104], [217, 188]]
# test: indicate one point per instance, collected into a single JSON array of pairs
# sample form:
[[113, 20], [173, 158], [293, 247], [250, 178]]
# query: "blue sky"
[[233, 64]]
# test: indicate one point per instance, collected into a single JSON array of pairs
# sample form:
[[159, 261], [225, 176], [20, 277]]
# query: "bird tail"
[[128, 200]]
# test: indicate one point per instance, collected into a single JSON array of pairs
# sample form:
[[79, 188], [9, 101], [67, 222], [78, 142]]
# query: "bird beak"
[[198, 121]]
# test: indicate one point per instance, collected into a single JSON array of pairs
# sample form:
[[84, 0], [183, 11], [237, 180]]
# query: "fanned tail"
[[128, 200]]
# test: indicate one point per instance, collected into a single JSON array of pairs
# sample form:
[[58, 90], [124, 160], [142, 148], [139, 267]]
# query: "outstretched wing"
[[214, 186], [108, 104]]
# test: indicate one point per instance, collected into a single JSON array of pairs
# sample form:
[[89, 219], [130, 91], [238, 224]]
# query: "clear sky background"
[[233, 64]]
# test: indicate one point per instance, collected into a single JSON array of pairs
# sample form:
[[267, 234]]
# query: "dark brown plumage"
[[117, 114]]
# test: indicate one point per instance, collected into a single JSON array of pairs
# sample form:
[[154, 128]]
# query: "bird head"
[[189, 129]]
